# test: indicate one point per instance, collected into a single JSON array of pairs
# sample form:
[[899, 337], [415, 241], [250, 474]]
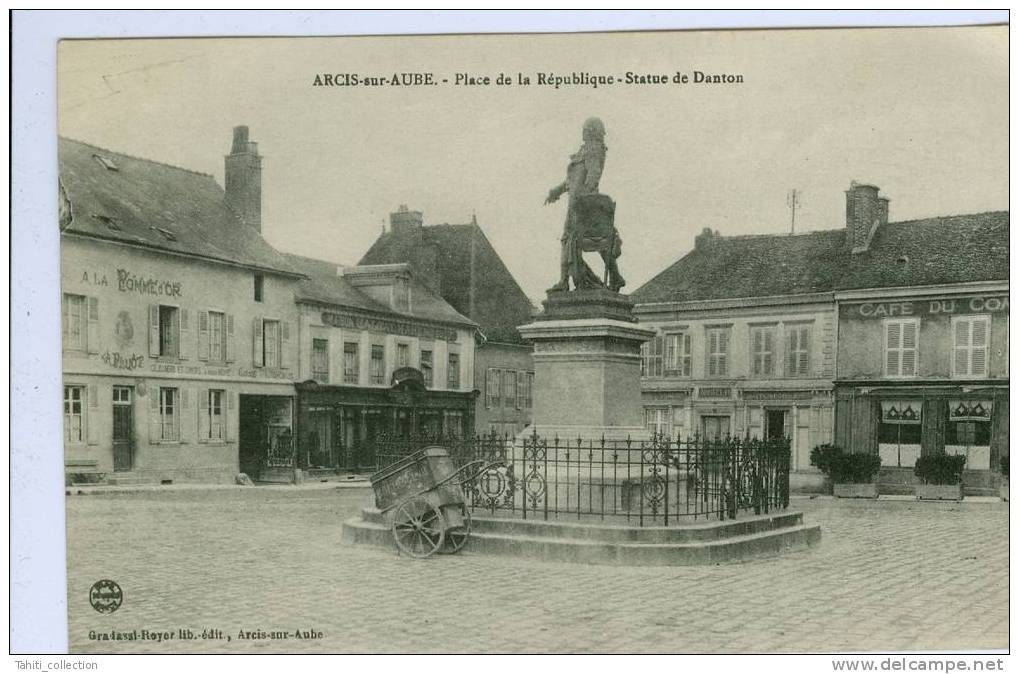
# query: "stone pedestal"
[[587, 367]]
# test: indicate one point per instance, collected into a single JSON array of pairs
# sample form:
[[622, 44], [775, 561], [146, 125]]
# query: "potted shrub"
[[940, 477], [851, 475], [1003, 489]]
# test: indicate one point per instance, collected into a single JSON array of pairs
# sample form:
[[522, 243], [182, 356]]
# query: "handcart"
[[423, 496]]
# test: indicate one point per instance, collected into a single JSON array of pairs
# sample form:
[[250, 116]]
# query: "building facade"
[[381, 356], [460, 264], [923, 347], [178, 322]]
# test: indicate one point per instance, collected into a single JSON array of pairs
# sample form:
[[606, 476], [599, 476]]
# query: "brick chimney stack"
[[404, 220], [244, 179], [865, 212]]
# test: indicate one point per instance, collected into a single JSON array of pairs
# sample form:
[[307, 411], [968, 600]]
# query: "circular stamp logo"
[[105, 596]]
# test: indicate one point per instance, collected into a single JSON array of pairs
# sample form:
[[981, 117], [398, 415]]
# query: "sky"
[[921, 113]]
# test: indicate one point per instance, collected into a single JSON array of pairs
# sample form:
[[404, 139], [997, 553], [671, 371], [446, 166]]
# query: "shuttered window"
[[169, 414], [521, 390], [493, 388], [900, 347], [73, 322], [217, 430], [677, 354], [652, 357], [320, 360], [426, 367], [762, 350], [271, 343], [73, 423], [717, 352], [217, 336], [797, 355], [972, 335]]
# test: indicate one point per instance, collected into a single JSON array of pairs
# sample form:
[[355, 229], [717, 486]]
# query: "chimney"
[[404, 220], [865, 212], [244, 179], [704, 239]]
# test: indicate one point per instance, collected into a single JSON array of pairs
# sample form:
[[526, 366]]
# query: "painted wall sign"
[[932, 307], [130, 283], [123, 361], [94, 278], [263, 373], [174, 368], [386, 326]]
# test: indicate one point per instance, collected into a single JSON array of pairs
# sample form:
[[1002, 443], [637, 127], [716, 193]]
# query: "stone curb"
[[149, 488]]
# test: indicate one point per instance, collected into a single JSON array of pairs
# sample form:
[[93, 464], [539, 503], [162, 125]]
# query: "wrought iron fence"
[[649, 482]]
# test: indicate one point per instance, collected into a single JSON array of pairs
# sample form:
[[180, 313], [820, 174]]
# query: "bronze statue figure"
[[589, 217]]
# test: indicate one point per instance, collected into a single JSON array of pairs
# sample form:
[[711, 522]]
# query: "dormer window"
[[166, 234], [259, 287], [105, 162]]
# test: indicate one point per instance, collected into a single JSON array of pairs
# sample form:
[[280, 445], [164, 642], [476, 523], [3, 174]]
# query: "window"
[[521, 390], [971, 339], [402, 355], [899, 432], [169, 418], [217, 336], [426, 367], [493, 387], [259, 287], [453, 372], [797, 356], [509, 387], [74, 322], [271, 343], [656, 420], [718, 352], [969, 431], [530, 390], [169, 332], [762, 351], [73, 425], [453, 425], [216, 425], [900, 348], [351, 363], [377, 370], [320, 360], [651, 357], [677, 354]]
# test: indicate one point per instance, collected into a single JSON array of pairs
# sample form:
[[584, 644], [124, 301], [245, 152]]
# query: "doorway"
[[775, 424], [123, 429]]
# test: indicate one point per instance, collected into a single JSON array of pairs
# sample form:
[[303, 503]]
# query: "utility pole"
[[793, 201]]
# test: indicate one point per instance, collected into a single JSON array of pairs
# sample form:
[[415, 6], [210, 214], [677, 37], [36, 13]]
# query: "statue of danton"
[[590, 217]]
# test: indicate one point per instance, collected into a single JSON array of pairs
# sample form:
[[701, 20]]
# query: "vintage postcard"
[[635, 342]]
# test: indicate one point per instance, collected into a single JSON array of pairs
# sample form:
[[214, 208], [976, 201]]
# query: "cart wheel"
[[418, 527], [456, 537]]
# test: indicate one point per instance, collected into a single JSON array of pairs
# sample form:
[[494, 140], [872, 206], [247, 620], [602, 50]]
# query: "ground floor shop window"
[[968, 432], [899, 432], [656, 420], [453, 424], [169, 418]]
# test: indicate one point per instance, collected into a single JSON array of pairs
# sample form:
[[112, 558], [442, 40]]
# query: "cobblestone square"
[[264, 562]]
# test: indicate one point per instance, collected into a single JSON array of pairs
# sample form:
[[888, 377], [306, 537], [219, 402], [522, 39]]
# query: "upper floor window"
[[377, 366], [509, 387], [493, 387], [74, 321], [320, 360], [402, 355], [453, 372], [271, 343], [529, 391], [426, 367], [762, 351], [169, 332], [677, 354], [797, 355], [351, 363], [652, 356], [717, 352], [900, 347], [521, 390], [259, 287], [970, 348]]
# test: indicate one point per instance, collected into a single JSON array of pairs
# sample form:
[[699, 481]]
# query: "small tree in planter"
[[1003, 489], [851, 475], [940, 477]]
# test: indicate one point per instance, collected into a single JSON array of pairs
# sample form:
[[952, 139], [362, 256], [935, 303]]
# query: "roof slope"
[[441, 257], [933, 251], [750, 266], [326, 286], [146, 203]]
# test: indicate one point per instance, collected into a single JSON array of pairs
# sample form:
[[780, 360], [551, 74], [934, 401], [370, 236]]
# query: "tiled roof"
[[324, 285], [932, 251], [499, 305], [118, 197]]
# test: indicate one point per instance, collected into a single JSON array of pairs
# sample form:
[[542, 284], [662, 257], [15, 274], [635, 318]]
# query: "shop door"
[[775, 424], [715, 428], [123, 429], [253, 446]]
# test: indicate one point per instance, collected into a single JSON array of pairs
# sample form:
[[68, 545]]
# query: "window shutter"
[[203, 335], [92, 334], [154, 330], [184, 348], [185, 419], [229, 407], [64, 318], [257, 342], [92, 418], [908, 349], [978, 358], [804, 356], [154, 419], [203, 415], [284, 343], [893, 342], [979, 337], [231, 355]]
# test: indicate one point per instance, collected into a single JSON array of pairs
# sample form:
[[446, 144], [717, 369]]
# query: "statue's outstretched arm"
[[557, 191]]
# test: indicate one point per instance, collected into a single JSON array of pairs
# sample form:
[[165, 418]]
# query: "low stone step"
[[128, 480], [731, 549], [681, 531]]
